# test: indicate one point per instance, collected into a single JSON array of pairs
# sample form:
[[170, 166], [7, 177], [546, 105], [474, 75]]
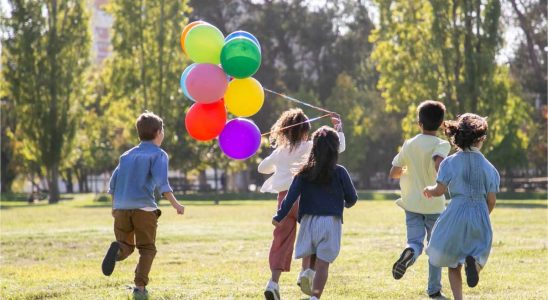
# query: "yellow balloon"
[[244, 97]]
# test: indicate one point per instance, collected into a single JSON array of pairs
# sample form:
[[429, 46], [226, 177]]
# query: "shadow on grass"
[[192, 203], [23, 205], [541, 205]]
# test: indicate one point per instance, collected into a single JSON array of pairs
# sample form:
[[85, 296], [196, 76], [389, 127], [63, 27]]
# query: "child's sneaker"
[[140, 295], [401, 265], [272, 291], [307, 278], [110, 259], [314, 298], [472, 276], [437, 295]]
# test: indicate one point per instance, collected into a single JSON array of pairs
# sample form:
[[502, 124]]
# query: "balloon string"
[[297, 124], [297, 101]]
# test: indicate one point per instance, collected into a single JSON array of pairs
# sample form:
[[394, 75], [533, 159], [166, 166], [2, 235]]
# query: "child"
[[416, 166], [140, 170], [291, 150], [463, 234], [324, 188]]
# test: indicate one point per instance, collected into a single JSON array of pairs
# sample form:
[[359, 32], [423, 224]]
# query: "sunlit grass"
[[221, 252]]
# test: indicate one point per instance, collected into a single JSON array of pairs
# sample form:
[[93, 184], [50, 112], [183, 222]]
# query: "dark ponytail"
[[467, 130], [323, 157]]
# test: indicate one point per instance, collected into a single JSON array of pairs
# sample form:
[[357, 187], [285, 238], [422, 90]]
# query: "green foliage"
[[142, 75], [46, 53], [445, 50]]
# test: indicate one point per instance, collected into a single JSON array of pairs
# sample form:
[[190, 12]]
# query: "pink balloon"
[[206, 83]]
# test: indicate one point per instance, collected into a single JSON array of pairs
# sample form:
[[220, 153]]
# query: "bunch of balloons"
[[218, 81]]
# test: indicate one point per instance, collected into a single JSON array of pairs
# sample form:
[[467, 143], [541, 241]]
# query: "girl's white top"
[[284, 164]]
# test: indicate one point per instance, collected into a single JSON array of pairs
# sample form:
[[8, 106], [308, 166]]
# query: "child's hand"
[[427, 192], [275, 223], [336, 121], [179, 208]]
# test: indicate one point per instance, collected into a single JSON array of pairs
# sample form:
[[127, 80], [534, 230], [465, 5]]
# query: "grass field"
[[221, 252]]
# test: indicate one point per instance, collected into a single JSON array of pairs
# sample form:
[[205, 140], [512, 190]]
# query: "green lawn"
[[221, 252]]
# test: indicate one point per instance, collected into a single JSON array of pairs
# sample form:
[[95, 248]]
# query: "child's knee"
[[147, 249], [124, 252]]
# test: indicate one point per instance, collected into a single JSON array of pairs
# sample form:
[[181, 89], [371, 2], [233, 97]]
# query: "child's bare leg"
[[322, 269], [276, 275], [305, 263], [455, 279], [308, 262]]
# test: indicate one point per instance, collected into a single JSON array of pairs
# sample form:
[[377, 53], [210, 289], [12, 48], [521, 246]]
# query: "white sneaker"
[[307, 278], [314, 298], [299, 278], [272, 291]]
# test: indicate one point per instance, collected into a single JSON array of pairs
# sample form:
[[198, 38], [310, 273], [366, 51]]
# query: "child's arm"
[[337, 124], [292, 195], [434, 190], [398, 163], [159, 171], [350, 195], [178, 207], [440, 153], [268, 165], [395, 172], [112, 186], [491, 201], [437, 162]]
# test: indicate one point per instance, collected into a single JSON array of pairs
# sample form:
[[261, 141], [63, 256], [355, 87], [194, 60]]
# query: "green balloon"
[[204, 43], [240, 57]]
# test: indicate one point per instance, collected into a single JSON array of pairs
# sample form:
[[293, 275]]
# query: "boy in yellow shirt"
[[416, 166]]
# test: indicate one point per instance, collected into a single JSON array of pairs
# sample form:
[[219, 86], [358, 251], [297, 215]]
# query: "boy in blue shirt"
[[140, 170]]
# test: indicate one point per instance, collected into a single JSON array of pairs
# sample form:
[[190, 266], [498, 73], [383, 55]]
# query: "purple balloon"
[[240, 139]]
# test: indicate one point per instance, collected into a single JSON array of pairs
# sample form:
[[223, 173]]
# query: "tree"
[[46, 54], [445, 50], [528, 68], [145, 69], [318, 54]]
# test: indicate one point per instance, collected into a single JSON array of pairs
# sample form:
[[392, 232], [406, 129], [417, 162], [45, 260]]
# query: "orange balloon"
[[186, 30]]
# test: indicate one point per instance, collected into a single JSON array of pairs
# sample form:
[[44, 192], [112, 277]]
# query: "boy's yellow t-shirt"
[[417, 160]]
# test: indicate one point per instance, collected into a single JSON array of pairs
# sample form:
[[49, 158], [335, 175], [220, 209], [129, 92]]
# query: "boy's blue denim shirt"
[[140, 170]]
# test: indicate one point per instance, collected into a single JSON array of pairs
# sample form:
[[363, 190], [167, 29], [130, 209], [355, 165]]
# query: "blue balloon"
[[241, 33], [183, 81]]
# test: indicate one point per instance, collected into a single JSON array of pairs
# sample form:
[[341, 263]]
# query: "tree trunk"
[[86, 182], [53, 183], [142, 53], [202, 182], [68, 182], [161, 59], [79, 179], [215, 185]]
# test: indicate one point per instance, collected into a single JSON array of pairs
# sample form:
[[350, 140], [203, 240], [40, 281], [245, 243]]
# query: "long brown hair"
[[292, 136], [467, 130], [323, 157]]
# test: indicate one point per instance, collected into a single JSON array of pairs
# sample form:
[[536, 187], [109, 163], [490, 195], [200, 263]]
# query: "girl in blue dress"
[[462, 234]]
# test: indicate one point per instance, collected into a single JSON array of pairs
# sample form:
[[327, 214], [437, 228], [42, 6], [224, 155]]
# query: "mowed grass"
[[221, 252]]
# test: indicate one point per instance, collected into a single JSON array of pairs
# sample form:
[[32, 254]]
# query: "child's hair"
[[467, 130], [323, 157], [431, 114], [148, 124], [289, 137]]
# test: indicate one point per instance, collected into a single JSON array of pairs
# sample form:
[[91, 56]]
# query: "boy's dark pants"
[[137, 227]]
